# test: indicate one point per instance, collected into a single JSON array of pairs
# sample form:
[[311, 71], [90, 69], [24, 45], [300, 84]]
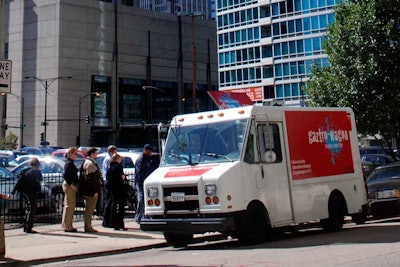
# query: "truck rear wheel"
[[337, 211], [252, 226], [178, 240]]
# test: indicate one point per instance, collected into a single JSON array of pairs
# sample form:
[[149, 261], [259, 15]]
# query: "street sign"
[[5, 76]]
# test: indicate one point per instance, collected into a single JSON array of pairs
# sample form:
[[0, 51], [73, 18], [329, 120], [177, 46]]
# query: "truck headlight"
[[152, 192], [211, 189]]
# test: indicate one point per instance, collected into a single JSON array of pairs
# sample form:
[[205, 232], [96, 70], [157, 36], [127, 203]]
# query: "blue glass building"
[[267, 47]]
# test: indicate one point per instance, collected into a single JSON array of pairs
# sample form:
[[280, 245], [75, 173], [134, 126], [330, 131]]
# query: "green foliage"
[[363, 46], [9, 142]]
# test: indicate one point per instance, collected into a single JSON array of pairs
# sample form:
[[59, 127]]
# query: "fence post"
[[2, 240]]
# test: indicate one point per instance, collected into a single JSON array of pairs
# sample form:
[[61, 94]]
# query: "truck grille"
[[190, 203]]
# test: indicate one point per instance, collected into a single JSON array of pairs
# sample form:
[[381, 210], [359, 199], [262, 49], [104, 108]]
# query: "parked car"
[[7, 161], [59, 153], [32, 150], [11, 203], [377, 159], [52, 169], [383, 186]]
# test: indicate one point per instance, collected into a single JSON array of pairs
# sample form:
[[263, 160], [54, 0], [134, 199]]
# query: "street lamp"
[[81, 99], [46, 84], [22, 124], [193, 15]]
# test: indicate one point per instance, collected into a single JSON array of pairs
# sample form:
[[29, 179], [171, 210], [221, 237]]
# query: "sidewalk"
[[51, 243]]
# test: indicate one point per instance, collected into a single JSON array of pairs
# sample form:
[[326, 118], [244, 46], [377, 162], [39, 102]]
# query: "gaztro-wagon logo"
[[331, 137]]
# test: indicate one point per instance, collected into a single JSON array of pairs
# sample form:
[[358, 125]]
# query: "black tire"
[[337, 212], [359, 218], [178, 240], [252, 226]]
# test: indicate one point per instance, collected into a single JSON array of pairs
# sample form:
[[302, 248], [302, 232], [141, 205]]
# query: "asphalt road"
[[376, 243]]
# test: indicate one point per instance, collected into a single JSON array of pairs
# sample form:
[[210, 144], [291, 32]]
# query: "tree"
[[363, 47], [9, 142]]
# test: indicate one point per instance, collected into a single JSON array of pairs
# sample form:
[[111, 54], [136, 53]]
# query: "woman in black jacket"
[[70, 187], [117, 185]]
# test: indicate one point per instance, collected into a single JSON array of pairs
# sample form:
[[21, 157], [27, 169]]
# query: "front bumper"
[[189, 225], [385, 207]]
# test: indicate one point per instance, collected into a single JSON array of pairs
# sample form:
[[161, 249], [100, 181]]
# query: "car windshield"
[[384, 174], [214, 142]]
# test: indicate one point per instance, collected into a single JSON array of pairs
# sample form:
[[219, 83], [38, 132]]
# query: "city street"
[[376, 243]]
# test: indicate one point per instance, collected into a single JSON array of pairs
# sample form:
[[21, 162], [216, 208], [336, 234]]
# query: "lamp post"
[[22, 124], [81, 99], [193, 15], [46, 84]]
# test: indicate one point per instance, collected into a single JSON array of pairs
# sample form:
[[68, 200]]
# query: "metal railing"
[[50, 204]]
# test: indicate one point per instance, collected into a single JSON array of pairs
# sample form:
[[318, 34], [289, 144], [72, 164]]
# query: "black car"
[[383, 186]]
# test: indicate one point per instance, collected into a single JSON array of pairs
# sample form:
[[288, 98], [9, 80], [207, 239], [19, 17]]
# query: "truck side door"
[[275, 180]]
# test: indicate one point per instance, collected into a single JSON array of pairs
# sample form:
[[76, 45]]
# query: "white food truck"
[[246, 170]]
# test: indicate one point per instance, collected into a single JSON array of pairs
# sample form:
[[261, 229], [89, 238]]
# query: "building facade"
[[94, 73], [266, 48], [177, 6]]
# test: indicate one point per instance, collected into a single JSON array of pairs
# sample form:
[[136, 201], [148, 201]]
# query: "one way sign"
[[5, 76]]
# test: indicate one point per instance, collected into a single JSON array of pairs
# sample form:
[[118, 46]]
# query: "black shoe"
[[73, 230], [30, 231]]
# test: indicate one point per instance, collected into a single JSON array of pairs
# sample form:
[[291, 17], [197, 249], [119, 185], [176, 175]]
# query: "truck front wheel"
[[178, 240], [252, 226]]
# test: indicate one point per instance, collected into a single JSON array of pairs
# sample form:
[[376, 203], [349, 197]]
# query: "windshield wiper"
[[180, 157], [217, 156]]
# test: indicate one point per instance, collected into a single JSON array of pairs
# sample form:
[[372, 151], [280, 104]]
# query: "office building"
[[266, 47], [130, 69]]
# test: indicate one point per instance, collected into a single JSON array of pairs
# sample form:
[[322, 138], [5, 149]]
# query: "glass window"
[[250, 34], [331, 18], [286, 69], [315, 23], [269, 92], [292, 47], [265, 11], [316, 44], [233, 56], [249, 15], [322, 21], [239, 75], [257, 52], [238, 37], [313, 4], [251, 74], [321, 3], [255, 13], [233, 75], [265, 31], [245, 74], [244, 36], [301, 67], [282, 7], [256, 33], [222, 59], [221, 77], [270, 143], [275, 9], [295, 89], [251, 53], [285, 49], [306, 24], [258, 73], [283, 28], [291, 26], [300, 46], [268, 72], [293, 68], [297, 5], [277, 50], [299, 25], [239, 55], [308, 46], [279, 91], [288, 92], [267, 51], [276, 29], [227, 59], [331, 2], [278, 70], [244, 54], [306, 4]]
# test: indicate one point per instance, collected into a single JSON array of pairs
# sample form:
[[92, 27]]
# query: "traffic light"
[[87, 119], [41, 138]]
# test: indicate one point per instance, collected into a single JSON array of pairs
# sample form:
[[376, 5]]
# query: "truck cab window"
[[250, 153], [270, 144]]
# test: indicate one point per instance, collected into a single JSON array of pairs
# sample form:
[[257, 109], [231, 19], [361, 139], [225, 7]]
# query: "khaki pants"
[[69, 207], [90, 205]]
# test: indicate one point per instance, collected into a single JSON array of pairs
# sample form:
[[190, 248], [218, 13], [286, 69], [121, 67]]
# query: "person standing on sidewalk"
[[89, 186], [107, 213], [144, 166], [117, 185], [29, 185], [70, 187]]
